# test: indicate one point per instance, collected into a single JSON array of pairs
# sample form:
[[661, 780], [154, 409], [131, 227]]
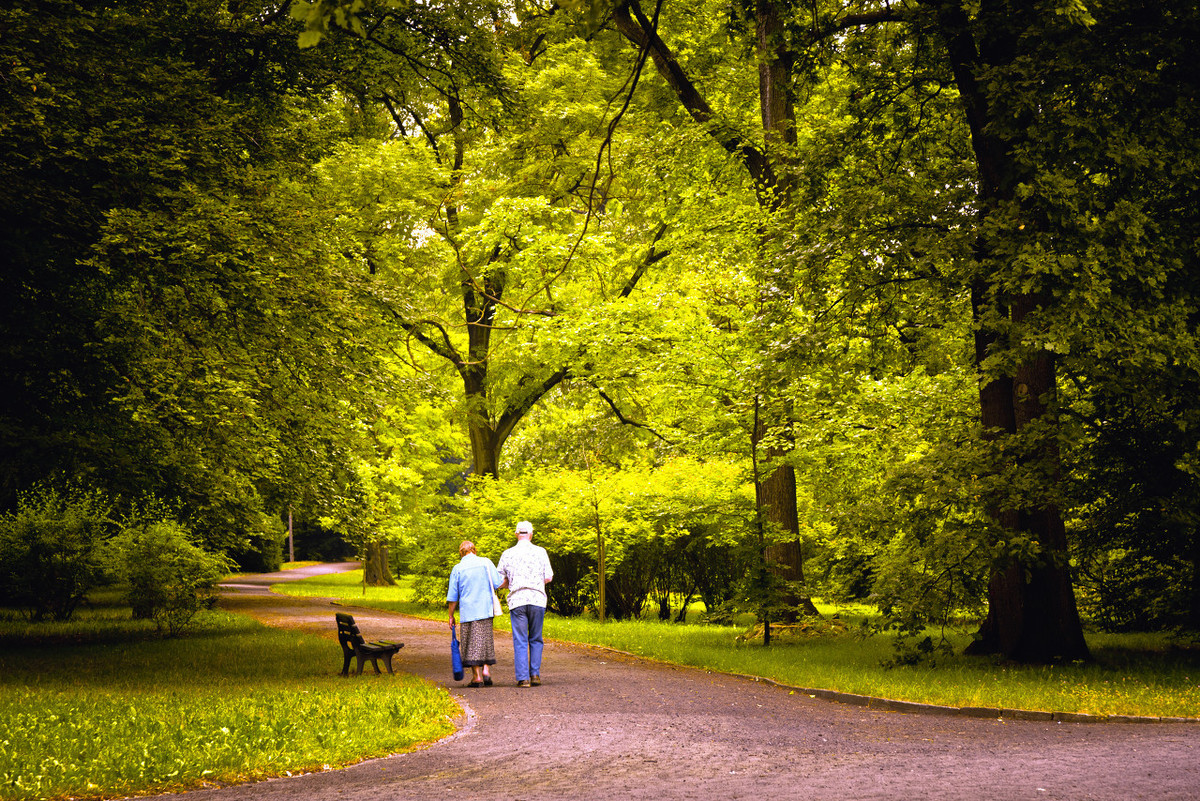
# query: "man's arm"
[[501, 566]]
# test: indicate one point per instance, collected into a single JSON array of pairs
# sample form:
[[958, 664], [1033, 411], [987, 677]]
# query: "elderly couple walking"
[[525, 570]]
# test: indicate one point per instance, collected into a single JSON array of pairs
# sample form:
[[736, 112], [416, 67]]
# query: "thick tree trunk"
[[1032, 616], [376, 570], [485, 450]]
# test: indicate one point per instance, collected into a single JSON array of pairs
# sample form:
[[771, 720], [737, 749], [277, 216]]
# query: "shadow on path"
[[609, 726]]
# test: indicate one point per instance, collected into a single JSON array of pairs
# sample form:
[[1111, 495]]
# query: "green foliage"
[[175, 321], [1136, 519], [932, 566], [407, 469], [62, 541], [245, 276], [170, 578], [52, 549], [1123, 591], [761, 592]]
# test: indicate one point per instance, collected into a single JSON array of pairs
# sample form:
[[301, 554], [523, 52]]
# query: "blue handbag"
[[455, 656]]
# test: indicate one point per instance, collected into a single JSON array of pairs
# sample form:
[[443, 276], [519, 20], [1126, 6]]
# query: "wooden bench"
[[354, 646]]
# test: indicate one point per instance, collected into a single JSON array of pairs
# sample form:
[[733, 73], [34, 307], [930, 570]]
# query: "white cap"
[[524, 527]]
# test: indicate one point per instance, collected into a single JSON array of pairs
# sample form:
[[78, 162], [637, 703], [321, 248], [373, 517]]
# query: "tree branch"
[[513, 414], [651, 257], [643, 33], [864, 20], [625, 420], [442, 347]]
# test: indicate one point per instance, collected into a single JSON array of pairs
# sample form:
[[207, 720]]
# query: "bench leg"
[[387, 660], [346, 664]]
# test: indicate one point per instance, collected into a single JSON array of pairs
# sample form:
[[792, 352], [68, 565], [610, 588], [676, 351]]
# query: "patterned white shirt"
[[527, 568]]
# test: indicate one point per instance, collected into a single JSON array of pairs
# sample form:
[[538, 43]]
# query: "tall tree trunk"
[[1032, 616], [773, 179], [777, 104]]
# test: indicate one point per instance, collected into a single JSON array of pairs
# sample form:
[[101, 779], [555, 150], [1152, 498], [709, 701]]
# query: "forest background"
[[744, 302]]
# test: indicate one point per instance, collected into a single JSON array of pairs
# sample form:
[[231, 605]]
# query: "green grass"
[[1131, 675], [348, 588], [101, 707]]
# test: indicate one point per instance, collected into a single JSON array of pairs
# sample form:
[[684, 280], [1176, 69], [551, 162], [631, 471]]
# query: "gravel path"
[[605, 725]]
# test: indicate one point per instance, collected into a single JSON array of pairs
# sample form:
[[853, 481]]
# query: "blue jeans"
[[527, 640]]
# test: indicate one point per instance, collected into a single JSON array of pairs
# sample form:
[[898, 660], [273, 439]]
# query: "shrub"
[[1129, 590], [170, 577], [51, 549]]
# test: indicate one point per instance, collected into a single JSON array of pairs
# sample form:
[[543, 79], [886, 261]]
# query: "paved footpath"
[[609, 726]]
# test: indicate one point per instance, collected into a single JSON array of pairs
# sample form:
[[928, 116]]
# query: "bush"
[[51, 549], [1128, 590], [170, 577]]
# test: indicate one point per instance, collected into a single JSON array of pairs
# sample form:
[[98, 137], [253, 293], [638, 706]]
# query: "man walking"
[[525, 570]]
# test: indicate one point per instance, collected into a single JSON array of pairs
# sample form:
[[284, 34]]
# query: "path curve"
[[612, 726]]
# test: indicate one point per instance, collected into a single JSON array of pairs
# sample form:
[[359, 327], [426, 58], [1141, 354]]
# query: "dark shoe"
[[473, 684], [487, 681], [522, 684], [536, 681]]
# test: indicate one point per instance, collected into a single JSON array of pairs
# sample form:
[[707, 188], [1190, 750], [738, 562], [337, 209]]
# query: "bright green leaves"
[[318, 16]]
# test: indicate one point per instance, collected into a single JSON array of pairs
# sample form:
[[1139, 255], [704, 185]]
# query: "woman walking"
[[472, 584]]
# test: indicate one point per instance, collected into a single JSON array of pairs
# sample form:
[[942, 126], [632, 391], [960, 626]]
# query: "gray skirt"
[[475, 642]]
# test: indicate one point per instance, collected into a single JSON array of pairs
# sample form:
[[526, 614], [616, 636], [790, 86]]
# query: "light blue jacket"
[[470, 587]]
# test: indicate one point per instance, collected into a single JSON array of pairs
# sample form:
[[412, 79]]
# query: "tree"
[[491, 242], [1021, 72], [405, 473], [172, 323], [170, 578], [766, 159], [1121, 196]]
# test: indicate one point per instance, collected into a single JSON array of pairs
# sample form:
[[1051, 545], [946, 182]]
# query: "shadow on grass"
[[102, 624]]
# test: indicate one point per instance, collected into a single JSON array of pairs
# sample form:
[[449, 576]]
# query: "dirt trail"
[[615, 727]]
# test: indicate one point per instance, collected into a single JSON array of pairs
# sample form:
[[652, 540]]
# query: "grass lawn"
[[100, 706], [1133, 674]]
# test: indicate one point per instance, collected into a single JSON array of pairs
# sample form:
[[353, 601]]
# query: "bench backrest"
[[348, 633]]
